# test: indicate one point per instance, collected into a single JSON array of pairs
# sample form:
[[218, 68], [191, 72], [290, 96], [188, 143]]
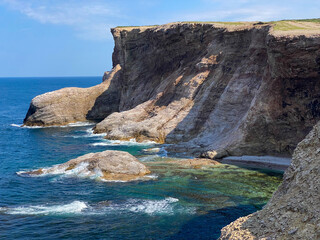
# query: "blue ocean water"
[[179, 203]]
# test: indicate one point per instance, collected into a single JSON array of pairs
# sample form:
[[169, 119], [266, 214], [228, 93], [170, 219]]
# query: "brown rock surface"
[[209, 88], [70, 105], [114, 165], [294, 210], [194, 163]]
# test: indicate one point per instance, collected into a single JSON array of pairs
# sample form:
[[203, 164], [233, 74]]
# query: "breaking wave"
[[167, 206], [89, 134], [74, 207], [76, 124], [80, 170], [131, 142]]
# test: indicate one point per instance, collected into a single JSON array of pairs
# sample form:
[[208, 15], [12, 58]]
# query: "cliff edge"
[[210, 89]]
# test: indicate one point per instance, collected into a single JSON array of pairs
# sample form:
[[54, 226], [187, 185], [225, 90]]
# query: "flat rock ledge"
[[194, 163], [108, 165]]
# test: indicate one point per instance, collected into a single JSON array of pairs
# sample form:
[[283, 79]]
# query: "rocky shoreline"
[[210, 90], [216, 92]]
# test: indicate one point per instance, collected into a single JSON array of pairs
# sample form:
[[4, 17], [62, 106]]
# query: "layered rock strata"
[[209, 89], [294, 209]]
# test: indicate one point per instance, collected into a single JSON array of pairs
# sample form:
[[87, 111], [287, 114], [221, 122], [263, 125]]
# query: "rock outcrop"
[[294, 209], [70, 105], [108, 165], [210, 89]]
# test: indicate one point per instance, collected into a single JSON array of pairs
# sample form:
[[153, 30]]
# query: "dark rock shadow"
[[108, 102]]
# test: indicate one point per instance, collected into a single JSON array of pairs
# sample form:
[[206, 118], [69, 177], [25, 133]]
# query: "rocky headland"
[[215, 90], [209, 89]]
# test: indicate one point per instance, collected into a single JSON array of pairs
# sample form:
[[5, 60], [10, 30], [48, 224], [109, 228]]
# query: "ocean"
[[177, 203]]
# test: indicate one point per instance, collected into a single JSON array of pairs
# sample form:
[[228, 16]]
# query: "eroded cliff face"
[[294, 210], [70, 105], [211, 90], [214, 90]]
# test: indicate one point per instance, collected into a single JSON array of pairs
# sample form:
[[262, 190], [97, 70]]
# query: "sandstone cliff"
[[294, 210], [211, 89]]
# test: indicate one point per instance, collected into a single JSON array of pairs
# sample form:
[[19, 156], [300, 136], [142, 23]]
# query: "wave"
[[76, 124], [74, 207], [152, 206], [131, 142], [167, 206], [89, 134], [81, 170]]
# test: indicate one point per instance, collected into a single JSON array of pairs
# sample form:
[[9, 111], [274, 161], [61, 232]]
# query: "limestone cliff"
[[294, 210], [211, 89]]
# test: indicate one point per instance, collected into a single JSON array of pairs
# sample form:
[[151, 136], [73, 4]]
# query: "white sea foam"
[[75, 207], [154, 207], [79, 124], [167, 206], [131, 142], [81, 170], [89, 134], [76, 124], [3, 209], [151, 207]]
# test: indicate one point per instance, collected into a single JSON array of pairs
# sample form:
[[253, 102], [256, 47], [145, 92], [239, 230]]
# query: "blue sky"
[[72, 37]]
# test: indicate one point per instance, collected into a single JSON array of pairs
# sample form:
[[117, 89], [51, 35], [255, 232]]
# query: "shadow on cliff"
[[109, 101], [208, 226]]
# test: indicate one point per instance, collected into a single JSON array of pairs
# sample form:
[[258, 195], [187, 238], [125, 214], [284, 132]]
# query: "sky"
[[47, 38]]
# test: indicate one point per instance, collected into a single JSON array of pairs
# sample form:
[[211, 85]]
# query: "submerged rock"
[[108, 165], [194, 163], [294, 209]]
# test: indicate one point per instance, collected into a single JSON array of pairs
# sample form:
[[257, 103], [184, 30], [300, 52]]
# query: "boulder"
[[108, 165]]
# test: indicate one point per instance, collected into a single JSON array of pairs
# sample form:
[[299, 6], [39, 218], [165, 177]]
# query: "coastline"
[[263, 162]]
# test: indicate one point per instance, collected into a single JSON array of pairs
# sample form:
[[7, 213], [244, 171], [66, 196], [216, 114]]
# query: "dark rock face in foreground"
[[294, 210], [210, 89]]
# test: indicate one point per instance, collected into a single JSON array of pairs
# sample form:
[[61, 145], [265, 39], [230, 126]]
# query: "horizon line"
[[54, 76]]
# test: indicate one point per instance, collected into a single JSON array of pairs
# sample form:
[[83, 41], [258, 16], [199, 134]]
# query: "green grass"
[[314, 20], [285, 26], [288, 25], [136, 26], [226, 23], [282, 25]]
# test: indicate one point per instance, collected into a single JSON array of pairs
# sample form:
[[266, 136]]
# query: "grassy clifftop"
[[282, 27]]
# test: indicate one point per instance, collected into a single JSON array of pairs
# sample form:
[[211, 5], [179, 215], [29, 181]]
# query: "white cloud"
[[90, 19]]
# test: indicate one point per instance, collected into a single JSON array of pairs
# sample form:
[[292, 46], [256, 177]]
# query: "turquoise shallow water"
[[179, 203]]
